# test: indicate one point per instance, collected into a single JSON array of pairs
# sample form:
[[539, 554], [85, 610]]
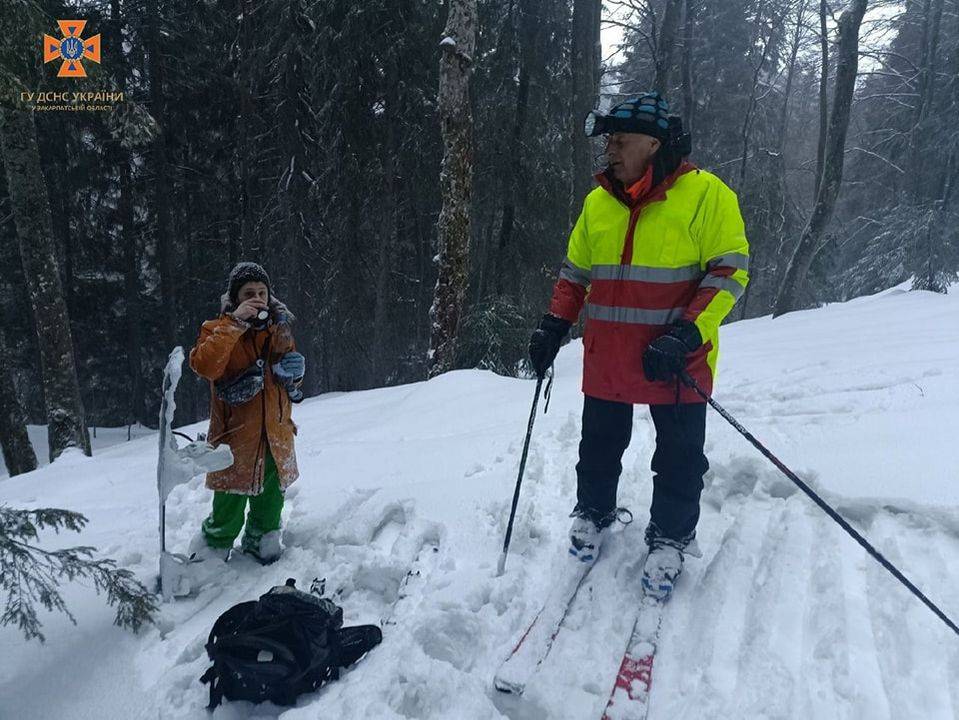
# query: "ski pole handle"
[[501, 566]]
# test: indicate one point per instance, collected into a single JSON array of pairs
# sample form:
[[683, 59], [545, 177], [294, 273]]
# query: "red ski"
[[629, 699]]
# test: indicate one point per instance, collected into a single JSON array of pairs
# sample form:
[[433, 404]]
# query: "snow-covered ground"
[[784, 617], [100, 438]]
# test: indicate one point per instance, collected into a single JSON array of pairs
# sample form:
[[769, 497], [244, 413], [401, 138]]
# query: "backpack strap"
[[216, 694]]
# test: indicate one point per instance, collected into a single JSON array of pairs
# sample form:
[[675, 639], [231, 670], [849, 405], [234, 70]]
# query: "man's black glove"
[[666, 355], [545, 342]]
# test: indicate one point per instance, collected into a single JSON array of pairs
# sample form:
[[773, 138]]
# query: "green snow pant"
[[223, 525]]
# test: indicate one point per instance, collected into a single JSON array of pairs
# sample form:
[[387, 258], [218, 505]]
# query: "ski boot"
[[664, 563], [587, 534], [266, 550]]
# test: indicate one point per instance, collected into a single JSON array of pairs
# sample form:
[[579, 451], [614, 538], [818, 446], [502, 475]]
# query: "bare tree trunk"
[[930, 93], [383, 355], [666, 45], [929, 47], [924, 42], [585, 65], [778, 203], [748, 116], [242, 78], [810, 241], [456, 181], [790, 74], [823, 94], [131, 283], [530, 32], [128, 238], [949, 178], [55, 131], [780, 176], [31, 210], [692, 7], [18, 454], [161, 184]]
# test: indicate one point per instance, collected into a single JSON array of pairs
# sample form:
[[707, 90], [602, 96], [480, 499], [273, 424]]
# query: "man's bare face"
[[628, 154]]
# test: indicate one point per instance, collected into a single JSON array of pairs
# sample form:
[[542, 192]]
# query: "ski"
[[410, 589], [629, 699], [534, 645]]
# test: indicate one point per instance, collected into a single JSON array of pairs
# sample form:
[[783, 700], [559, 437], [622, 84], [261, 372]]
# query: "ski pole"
[[826, 508], [519, 480]]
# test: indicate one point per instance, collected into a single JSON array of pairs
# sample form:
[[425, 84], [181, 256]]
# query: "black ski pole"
[[519, 479], [826, 508]]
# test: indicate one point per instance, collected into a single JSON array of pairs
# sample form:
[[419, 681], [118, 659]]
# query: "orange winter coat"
[[225, 348]]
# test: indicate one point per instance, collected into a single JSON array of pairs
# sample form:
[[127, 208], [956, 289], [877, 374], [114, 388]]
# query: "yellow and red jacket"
[[642, 258]]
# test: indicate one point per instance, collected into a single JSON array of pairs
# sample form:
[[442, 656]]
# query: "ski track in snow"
[[784, 618]]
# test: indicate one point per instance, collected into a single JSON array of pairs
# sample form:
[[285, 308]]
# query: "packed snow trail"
[[784, 617]]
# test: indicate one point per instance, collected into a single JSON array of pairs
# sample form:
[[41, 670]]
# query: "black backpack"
[[283, 645]]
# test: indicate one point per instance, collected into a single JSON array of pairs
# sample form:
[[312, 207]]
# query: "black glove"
[[545, 342], [666, 355]]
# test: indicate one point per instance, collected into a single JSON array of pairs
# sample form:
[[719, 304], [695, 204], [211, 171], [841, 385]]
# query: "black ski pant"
[[678, 462]]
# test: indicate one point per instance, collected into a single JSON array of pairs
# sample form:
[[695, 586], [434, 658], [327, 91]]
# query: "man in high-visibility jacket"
[[658, 257]]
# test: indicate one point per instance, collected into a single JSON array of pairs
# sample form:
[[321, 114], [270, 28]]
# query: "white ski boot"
[[267, 550], [663, 565], [585, 538]]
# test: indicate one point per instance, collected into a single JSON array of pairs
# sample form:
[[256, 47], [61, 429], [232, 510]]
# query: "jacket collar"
[[639, 193]]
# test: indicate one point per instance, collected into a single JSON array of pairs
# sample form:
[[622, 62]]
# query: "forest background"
[[309, 136]]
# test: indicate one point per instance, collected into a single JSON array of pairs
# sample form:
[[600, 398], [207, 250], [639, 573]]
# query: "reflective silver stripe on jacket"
[[574, 274], [634, 316], [645, 273], [723, 283], [733, 260]]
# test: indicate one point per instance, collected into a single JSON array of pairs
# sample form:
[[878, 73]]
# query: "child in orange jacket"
[[249, 357]]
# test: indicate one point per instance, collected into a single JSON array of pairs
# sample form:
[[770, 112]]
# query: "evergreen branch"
[[31, 576]]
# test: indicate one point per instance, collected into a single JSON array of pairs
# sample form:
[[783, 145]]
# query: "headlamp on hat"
[[647, 114]]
